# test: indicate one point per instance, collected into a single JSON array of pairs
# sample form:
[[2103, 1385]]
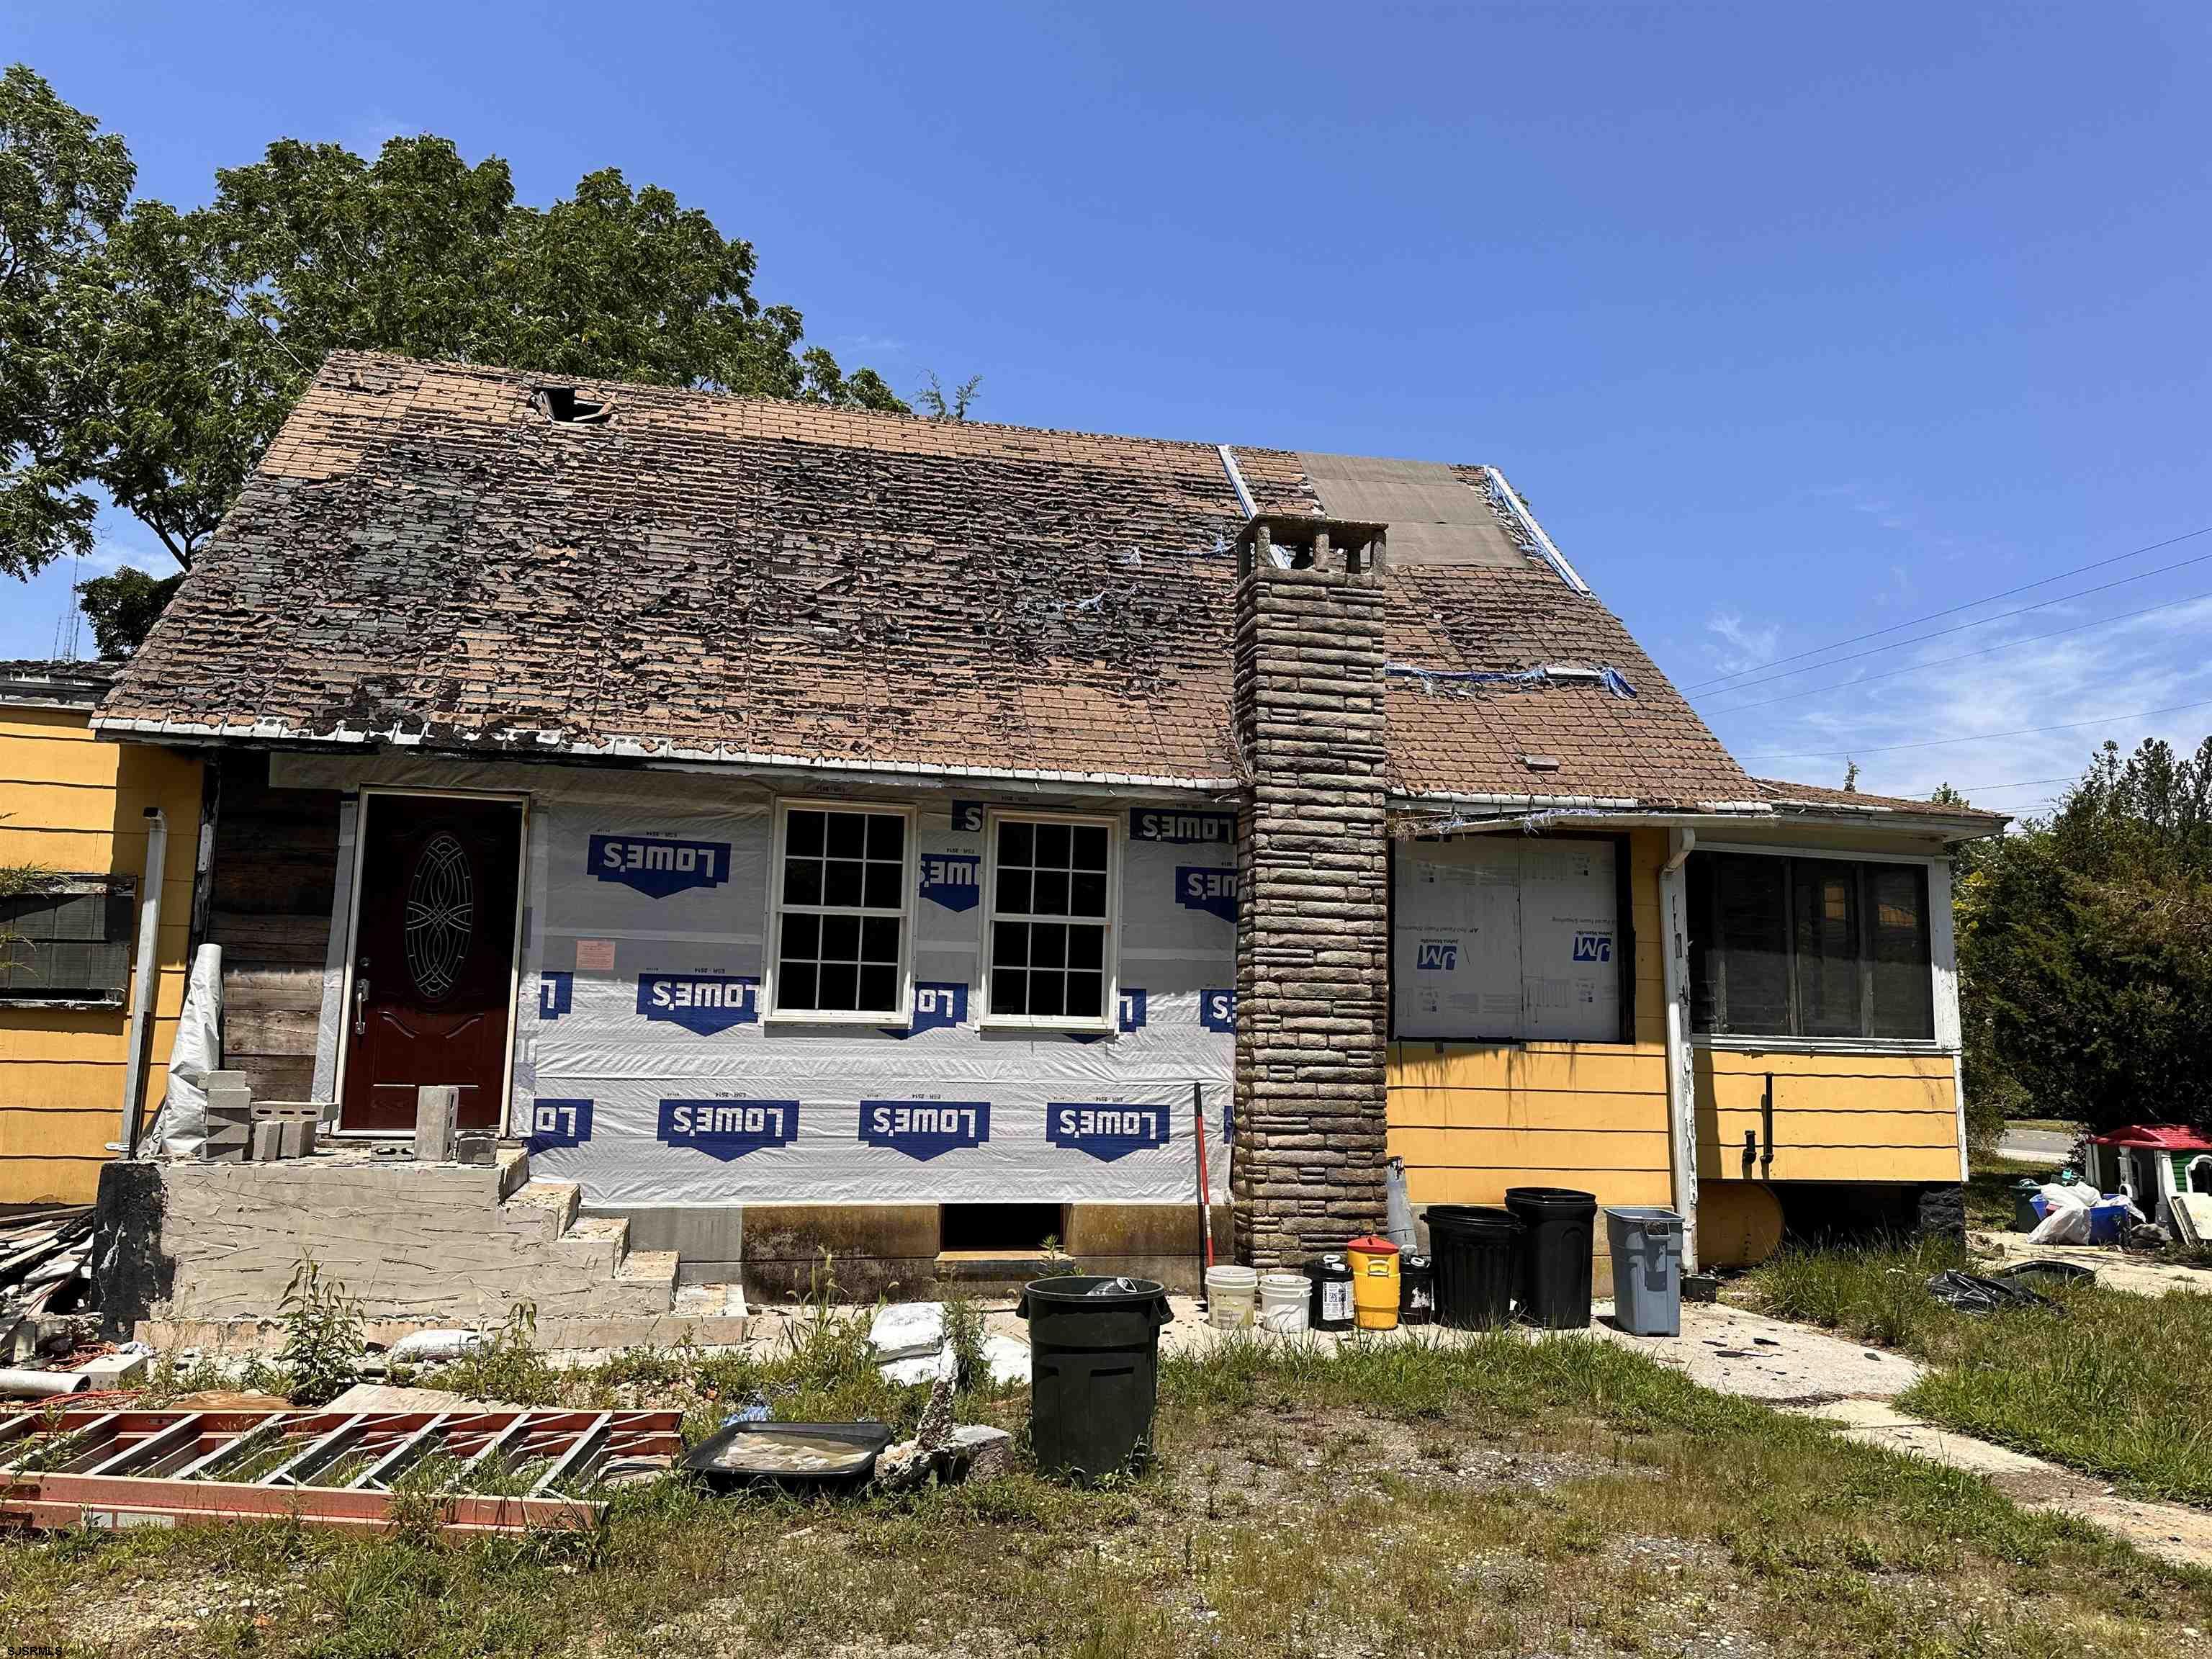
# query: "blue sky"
[[1792, 324]]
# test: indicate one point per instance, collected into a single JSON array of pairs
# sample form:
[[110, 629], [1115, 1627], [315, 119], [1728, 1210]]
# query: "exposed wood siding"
[[1838, 1115], [275, 869], [72, 805]]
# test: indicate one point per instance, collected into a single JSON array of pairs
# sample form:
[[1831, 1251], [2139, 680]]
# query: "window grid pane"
[[838, 947], [1049, 921]]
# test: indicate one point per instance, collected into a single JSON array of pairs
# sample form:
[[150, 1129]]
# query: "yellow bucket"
[[1374, 1284]]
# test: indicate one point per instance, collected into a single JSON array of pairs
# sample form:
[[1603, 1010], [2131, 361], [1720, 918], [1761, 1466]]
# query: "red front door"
[[434, 958]]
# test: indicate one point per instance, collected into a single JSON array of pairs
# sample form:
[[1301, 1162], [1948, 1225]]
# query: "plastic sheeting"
[[646, 1071], [180, 1126]]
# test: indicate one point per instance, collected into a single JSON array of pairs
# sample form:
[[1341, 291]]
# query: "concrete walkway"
[[2116, 1269]]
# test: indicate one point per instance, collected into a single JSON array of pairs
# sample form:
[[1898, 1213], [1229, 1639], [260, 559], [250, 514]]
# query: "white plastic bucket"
[[1231, 1294], [1283, 1299]]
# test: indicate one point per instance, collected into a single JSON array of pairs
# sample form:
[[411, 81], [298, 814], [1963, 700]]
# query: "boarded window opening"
[[68, 939]]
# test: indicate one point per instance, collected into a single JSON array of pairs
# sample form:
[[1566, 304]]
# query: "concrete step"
[[596, 1241], [513, 1168], [542, 1210], [656, 1268]]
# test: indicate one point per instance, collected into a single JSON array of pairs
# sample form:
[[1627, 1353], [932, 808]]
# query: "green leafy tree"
[[168, 347], [2085, 948], [939, 404]]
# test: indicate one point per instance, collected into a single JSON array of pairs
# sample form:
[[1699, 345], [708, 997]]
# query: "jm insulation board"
[[1506, 938], [647, 1072]]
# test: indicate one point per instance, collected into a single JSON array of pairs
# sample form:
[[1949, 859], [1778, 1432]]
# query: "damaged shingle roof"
[[423, 553]]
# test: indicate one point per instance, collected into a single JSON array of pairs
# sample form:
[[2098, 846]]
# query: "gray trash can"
[[1646, 1269]]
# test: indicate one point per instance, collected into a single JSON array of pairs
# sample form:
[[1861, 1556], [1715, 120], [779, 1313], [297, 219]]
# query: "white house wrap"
[[646, 1071]]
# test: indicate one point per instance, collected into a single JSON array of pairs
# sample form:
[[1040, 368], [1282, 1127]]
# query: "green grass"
[[1503, 1496], [2118, 1384]]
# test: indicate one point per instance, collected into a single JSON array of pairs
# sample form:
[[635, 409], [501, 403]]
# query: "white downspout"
[[1681, 1087], [148, 977]]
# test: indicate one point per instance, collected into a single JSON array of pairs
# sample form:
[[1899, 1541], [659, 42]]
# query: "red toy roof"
[[2168, 1137]]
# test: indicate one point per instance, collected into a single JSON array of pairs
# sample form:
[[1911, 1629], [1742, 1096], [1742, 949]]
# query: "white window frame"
[[1108, 1020], [901, 1017], [1942, 964]]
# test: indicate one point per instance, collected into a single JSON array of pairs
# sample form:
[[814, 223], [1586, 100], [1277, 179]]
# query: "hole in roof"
[[564, 407]]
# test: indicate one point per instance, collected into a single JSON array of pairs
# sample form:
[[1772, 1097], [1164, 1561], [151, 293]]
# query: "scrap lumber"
[[515, 1470]]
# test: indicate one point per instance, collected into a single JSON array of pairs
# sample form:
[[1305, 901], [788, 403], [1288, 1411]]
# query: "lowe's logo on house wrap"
[[1217, 1010], [728, 1129], [924, 1129], [935, 1006], [559, 1123], [658, 868], [967, 818], [1593, 947], [705, 1003], [1183, 828], [1129, 1016], [1439, 955], [1105, 1132], [556, 994], [950, 879], [1201, 888]]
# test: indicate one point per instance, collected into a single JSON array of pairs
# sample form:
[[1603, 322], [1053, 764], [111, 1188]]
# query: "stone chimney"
[[1313, 941]]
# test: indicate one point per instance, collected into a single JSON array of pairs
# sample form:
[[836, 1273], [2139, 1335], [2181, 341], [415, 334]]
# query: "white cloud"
[[1999, 708], [1748, 647]]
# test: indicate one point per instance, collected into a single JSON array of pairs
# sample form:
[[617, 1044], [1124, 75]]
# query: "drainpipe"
[[148, 975], [1681, 1089]]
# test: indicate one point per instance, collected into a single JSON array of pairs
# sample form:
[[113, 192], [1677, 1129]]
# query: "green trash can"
[[2025, 1192], [1094, 1372]]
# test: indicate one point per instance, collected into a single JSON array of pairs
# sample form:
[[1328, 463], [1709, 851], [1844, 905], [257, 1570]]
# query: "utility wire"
[[1961, 628], [1986, 789], [1964, 656], [1970, 605], [1977, 736]]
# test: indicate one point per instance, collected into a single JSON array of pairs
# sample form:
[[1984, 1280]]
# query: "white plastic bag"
[[2066, 1217], [179, 1128]]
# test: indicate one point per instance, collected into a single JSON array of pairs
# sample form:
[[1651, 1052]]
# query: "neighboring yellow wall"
[[73, 805], [1844, 1116]]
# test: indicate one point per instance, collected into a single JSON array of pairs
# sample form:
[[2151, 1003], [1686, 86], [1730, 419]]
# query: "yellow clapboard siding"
[[68, 1036], [1833, 1164], [33, 1091], [1758, 1063], [1835, 1128], [97, 808], [1473, 1186], [52, 725], [75, 1132], [1600, 1068], [40, 759], [1814, 1097], [1586, 1149], [50, 1181], [1509, 1108]]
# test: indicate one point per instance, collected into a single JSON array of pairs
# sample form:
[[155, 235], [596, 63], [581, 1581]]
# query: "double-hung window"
[[841, 927], [1805, 947], [1049, 947]]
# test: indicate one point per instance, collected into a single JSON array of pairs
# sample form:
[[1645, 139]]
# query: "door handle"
[[361, 1005]]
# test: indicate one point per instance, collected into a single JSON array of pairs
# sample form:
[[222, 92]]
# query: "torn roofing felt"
[[424, 553]]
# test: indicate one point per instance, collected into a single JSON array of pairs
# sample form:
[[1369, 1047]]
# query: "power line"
[[1964, 656], [1990, 788], [1977, 736], [1970, 605], [1961, 628]]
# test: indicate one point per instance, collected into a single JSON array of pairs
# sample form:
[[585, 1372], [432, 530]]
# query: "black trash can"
[[1477, 1264], [1094, 1373], [1556, 1256]]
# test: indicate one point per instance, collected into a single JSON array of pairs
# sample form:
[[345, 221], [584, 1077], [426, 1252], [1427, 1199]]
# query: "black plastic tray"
[[711, 1462]]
